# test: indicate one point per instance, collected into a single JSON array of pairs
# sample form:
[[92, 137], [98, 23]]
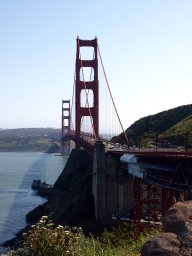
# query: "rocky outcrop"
[[72, 203], [167, 244], [43, 188], [177, 236], [177, 216]]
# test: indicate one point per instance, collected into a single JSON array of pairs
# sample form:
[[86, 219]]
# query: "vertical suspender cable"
[[125, 135]]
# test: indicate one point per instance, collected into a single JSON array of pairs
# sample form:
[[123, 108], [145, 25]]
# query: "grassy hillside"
[[31, 139], [177, 133], [170, 125]]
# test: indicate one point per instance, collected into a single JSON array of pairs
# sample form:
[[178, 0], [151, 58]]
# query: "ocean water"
[[17, 171]]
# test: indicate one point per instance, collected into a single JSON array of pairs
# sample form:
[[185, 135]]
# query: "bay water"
[[17, 171]]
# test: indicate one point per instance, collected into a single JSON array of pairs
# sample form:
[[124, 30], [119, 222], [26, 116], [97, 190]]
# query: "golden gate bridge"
[[160, 175]]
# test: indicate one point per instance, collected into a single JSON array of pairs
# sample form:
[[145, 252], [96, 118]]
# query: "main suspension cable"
[[125, 135]]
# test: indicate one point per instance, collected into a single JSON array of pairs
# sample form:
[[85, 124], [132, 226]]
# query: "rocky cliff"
[[176, 240], [72, 202]]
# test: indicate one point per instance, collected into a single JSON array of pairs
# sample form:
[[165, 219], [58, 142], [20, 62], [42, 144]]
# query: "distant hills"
[[168, 127], [30, 139]]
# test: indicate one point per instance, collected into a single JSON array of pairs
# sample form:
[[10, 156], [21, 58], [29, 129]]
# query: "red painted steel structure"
[[150, 204], [90, 85], [66, 127], [168, 199], [150, 200]]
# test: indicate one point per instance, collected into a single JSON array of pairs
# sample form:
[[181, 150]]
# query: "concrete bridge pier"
[[113, 188], [98, 188]]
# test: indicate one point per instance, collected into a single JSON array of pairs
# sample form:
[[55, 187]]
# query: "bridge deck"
[[88, 142]]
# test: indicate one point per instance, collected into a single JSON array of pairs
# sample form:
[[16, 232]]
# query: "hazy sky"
[[146, 47]]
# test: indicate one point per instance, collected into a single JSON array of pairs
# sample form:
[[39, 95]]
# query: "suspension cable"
[[125, 135], [87, 94]]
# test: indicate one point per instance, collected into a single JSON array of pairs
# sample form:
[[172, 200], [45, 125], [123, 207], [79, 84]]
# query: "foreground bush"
[[45, 240]]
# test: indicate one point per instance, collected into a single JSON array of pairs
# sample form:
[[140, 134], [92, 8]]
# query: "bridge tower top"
[[80, 85]]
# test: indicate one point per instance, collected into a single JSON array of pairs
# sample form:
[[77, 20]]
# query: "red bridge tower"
[[66, 126], [93, 111]]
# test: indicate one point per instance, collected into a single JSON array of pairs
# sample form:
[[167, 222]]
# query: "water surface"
[[17, 171]]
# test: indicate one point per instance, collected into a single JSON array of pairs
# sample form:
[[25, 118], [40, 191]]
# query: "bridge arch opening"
[[86, 125], [66, 122], [87, 53], [88, 73], [84, 98], [66, 113]]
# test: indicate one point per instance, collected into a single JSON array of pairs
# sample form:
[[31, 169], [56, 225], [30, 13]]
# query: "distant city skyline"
[[146, 48]]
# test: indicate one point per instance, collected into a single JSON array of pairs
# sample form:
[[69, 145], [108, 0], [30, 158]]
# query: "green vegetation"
[[32, 139], [177, 133], [46, 240], [169, 127]]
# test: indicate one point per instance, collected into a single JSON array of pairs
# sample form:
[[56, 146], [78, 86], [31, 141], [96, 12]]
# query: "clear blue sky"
[[146, 47]]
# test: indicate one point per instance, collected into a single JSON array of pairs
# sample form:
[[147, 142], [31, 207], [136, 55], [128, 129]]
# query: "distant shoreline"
[[30, 139]]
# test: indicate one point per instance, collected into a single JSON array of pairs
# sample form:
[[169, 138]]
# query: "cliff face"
[[72, 203], [75, 205]]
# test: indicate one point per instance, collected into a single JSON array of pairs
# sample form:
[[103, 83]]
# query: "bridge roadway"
[[87, 142], [146, 187], [168, 167]]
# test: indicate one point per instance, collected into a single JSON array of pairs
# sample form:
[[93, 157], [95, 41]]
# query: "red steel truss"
[[150, 204]]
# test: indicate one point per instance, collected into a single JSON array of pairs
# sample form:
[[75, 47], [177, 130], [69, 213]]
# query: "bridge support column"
[[112, 187], [99, 180], [125, 195]]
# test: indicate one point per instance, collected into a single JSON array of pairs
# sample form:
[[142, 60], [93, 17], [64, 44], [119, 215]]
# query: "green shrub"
[[45, 240]]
